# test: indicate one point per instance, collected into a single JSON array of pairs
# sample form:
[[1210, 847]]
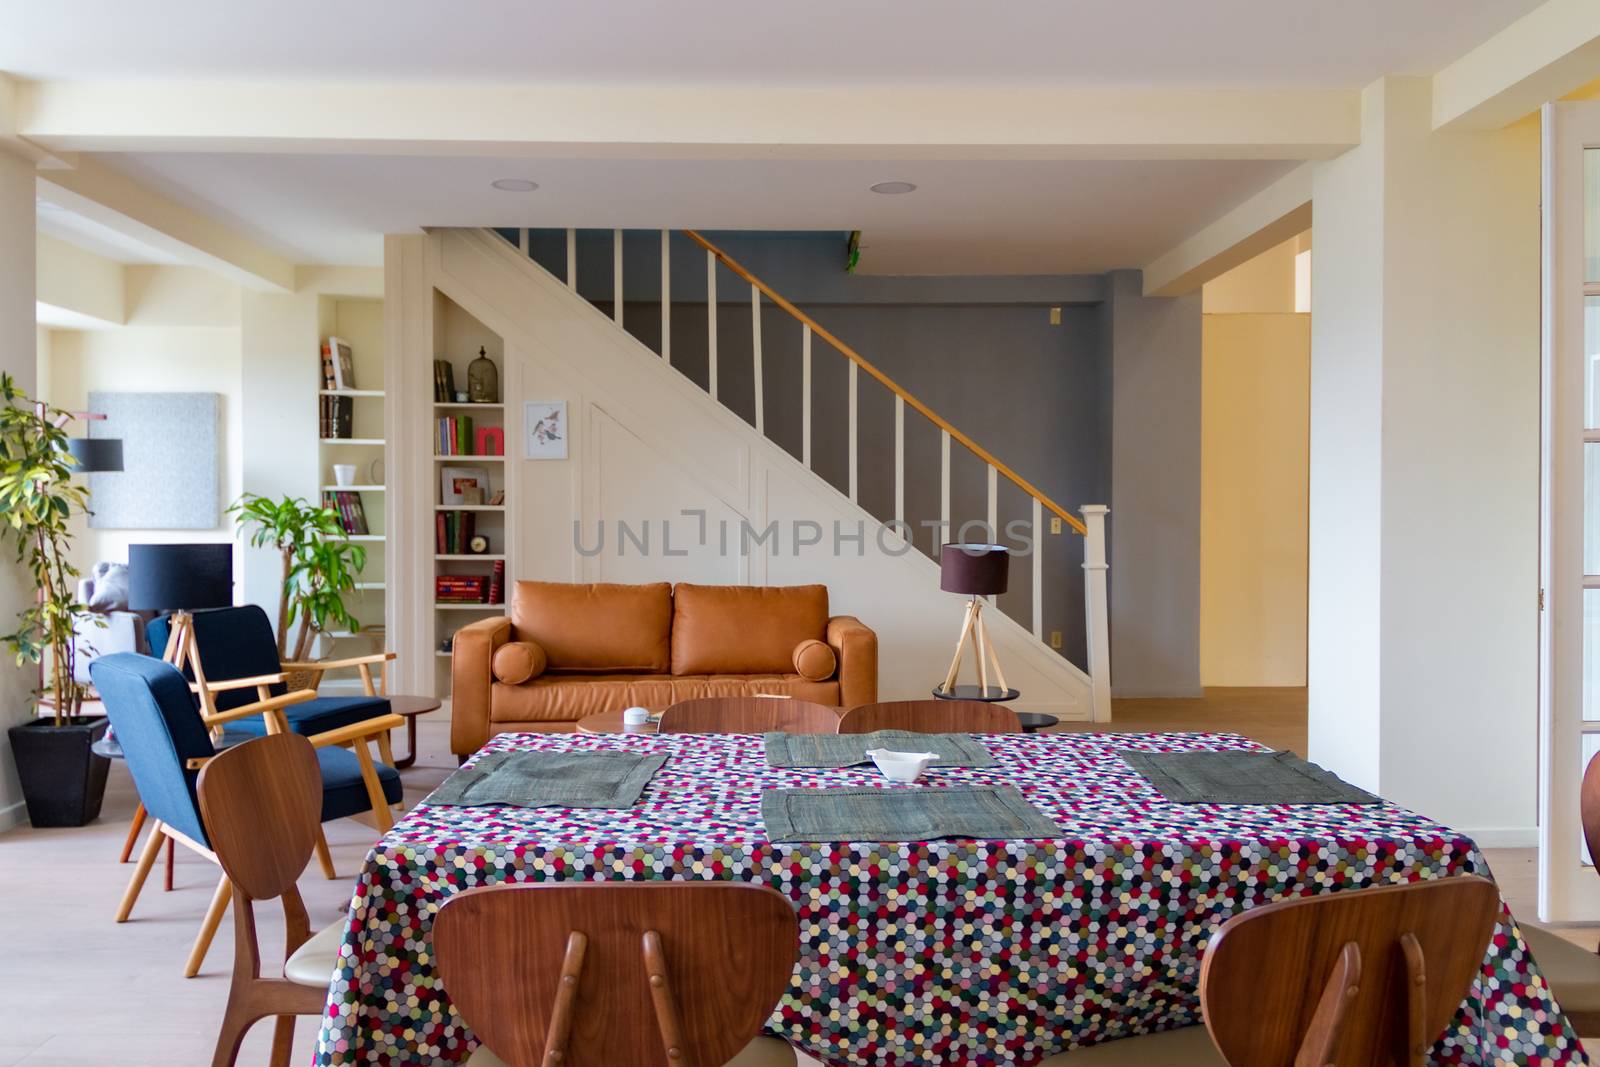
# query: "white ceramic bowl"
[[901, 766]]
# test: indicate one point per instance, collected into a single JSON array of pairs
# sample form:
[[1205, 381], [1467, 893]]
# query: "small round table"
[[610, 722], [990, 695], [1034, 721], [410, 708]]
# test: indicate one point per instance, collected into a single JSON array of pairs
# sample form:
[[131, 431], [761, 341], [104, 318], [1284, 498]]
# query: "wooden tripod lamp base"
[[978, 571]]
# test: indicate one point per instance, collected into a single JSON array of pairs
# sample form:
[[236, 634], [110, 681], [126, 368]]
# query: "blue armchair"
[[166, 740], [237, 645]]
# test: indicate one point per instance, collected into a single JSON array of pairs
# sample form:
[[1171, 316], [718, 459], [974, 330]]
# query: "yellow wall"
[[1255, 393]]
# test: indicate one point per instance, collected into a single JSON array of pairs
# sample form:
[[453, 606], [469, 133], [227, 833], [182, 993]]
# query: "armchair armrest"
[[336, 664], [260, 707], [357, 731], [856, 647], [238, 683], [471, 681]]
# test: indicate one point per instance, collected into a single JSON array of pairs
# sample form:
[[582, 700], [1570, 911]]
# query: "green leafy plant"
[[320, 565], [37, 498]]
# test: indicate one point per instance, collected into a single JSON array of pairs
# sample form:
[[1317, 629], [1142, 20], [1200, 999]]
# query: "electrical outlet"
[[1055, 524], [1055, 316], [1055, 638]]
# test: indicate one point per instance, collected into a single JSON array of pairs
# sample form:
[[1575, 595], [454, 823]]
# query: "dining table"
[[935, 952]]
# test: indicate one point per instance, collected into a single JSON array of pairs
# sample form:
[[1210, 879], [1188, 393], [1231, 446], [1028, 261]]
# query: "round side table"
[[610, 722], [410, 708], [991, 695]]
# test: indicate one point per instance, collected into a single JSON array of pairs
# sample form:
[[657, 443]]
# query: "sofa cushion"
[[516, 661], [568, 698], [740, 629], [596, 627], [814, 660]]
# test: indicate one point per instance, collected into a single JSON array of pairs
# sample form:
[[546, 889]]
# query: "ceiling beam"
[[1267, 219], [78, 288], [1542, 56], [650, 122], [112, 199]]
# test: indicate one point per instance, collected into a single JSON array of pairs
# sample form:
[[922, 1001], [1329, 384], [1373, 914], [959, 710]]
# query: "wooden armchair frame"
[[356, 736]]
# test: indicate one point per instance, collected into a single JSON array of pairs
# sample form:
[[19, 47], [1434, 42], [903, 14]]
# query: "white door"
[[1569, 696]]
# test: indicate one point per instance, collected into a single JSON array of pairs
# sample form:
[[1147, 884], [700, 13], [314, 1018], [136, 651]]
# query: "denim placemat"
[[984, 812], [551, 779], [1242, 778], [847, 750]]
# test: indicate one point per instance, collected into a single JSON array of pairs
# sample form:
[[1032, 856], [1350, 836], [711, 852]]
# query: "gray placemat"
[[551, 779], [987, 812], [847, 750], [1242, 778]]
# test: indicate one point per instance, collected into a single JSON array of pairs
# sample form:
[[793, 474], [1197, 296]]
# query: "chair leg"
[[167, 883], [133, 832], [147, 859], [208, 927], [229, 1038], [324, 857], [282, 1041]]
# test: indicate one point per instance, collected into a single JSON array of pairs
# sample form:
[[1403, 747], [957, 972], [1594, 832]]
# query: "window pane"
[[1591, 214], [1591, 357], [1591, 655]]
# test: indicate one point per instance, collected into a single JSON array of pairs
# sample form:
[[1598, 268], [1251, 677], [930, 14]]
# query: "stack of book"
[[461, 589], [497, 583], [453, 436], [336, 415], [452, 532], [444, 382], [352, 516]]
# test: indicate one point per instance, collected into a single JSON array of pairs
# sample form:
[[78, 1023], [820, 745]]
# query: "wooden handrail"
[[889, 383]]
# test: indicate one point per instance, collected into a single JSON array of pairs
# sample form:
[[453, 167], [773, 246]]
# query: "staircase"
[[672, 466]]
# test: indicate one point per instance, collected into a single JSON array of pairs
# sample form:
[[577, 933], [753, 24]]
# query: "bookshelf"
[[351, 431], [454, 429]]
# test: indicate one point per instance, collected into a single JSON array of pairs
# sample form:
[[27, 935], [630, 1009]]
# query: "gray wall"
[[1104, 408], [1154, 539]]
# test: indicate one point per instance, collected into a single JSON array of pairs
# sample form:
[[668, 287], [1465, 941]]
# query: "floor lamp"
[[978, 571]]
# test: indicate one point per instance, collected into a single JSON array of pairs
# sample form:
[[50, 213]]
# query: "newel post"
[[1097, 614]]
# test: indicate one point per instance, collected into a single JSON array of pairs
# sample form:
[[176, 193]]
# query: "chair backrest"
[[262, 804], [1366, 978], [234, 642], [931, 717], [748, 715], [696, 966], [1589, 806], [160, 731]]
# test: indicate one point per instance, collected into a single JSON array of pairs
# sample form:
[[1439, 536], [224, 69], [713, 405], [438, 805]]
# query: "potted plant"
[[320, 565], [63, 781]]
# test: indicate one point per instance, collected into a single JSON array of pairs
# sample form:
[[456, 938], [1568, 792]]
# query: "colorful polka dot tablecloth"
[[940, 952]]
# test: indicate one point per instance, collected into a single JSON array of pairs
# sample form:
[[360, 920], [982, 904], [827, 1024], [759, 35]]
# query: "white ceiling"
[[1003, 217], [1031, 43]]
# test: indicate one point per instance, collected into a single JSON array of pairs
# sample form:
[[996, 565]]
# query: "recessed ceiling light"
[[893, 188], [514, 185]]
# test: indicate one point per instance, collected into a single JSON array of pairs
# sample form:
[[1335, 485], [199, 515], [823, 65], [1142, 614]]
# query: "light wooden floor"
[[78, 989]]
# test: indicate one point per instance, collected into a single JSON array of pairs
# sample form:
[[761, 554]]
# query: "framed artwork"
[[172, 442], [343, 363], [545, 426], [454, 482]]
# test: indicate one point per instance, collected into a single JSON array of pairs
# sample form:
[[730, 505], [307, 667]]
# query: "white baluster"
[[616, 276], [994, 511], [666, 297], [944, 485], [1038, 570], [853, 483], [805, 394], [572, 259], [522, 240], [1096, 613], [711, 325], [899, 459], [755, 356]]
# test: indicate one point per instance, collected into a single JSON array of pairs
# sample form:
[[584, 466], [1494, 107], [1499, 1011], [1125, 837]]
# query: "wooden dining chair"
[[595, 974], [748, 715], [261, 803], [931, 717], [1363, 978]]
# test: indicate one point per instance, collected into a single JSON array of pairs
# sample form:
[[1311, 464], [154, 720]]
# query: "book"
[[327, 366], [352, 513], [497, 582], [444, 382]]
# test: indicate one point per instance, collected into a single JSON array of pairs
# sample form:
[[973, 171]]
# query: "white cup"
[[344, 474], [635, 716]]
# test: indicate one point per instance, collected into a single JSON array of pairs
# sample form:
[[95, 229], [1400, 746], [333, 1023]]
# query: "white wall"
[[1255, 395], [1424, 466]]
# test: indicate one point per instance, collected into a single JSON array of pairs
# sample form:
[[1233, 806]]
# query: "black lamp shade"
[[180, 577], [976, 570], [96, 455]]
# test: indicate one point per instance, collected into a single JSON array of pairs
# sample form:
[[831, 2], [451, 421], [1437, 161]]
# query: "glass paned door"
[[1569, 697]]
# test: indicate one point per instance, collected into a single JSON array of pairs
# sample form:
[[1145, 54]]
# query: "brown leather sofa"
[[567, 651]]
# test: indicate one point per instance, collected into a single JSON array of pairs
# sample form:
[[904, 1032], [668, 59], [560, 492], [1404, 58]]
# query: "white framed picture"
[[454, 482], [544, 429]]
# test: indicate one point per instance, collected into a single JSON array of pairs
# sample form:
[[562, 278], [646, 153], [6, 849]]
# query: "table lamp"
[[178, 579], [976, 571]]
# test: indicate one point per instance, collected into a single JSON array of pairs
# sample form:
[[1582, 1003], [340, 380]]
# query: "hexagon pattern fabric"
[[929, 953]]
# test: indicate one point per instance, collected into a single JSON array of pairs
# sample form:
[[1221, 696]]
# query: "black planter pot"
[[63, 782]]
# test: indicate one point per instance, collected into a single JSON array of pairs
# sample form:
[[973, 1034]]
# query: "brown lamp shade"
[[977, 570]]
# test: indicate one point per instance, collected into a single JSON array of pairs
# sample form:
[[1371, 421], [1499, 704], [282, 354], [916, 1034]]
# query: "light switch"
[[1055, 638], [1055, 524], [1055, 316]]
